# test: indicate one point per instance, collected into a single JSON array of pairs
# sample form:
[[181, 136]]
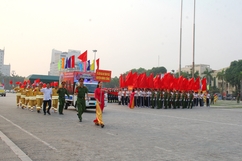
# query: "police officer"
[[81, 91], [62, 91]]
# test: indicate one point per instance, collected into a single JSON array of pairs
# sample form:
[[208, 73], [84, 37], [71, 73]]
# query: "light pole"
[[193, 40], [94, 58], [180, 39]]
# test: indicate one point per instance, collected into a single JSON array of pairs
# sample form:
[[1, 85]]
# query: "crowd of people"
[[153, 98], [38, 95]]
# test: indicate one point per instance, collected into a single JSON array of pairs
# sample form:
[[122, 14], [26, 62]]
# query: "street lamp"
[[180, 39], [94, 58], [193, 40]]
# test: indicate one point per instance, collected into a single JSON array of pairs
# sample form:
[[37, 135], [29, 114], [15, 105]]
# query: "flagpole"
[[180, 39], [193, 40], [94, 58]]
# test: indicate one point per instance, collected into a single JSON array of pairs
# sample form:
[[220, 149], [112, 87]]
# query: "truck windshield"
[[1, 88], [91, 87]]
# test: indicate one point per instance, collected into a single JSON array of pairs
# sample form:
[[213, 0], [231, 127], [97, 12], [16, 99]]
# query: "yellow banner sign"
[[103, 75]]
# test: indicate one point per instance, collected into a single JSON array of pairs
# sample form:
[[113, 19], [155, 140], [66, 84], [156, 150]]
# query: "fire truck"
[[71, 78]]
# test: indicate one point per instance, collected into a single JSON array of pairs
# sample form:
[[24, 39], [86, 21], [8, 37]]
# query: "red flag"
[[157, 82], [191, 84], [73, 61], [97, 62], [180, 83], [143, 81], [55, 84], [134, 77], [128, 79], [196, 87], [83, 56], [11, 82], [184, 84], [151, 81], [121, 81], [204, 84], [138, 81]]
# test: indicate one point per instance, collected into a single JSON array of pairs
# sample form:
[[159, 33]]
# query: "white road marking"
[[22, 156], [163, 149], [42, 141], [110, 134], [156, 128], [173, 153], [183, 118]]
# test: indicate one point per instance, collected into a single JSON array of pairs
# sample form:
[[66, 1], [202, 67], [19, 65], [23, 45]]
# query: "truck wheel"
[[66, 106]]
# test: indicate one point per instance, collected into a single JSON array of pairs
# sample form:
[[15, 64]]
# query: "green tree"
[[114, 83], [208, 76], [14, 78], [221, 76], [187, 75], [232, 74]]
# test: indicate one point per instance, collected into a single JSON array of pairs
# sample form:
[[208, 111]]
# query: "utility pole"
[[193, 64]]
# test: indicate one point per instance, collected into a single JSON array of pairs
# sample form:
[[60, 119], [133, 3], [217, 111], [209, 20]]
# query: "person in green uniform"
[[153, 98], [158, 99], [169, 98], [174, 99], [178, 99], [62, 91], [191, 97], [238, 97], [166, 99], [81, 92], [162, 98]]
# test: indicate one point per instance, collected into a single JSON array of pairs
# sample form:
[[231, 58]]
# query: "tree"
[[208, 75], [155, 70], [221, 76], [6, 79], [187, 75], [232, 74], [114, 83]]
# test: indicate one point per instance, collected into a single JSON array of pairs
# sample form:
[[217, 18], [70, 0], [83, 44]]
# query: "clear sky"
[[127, 34]]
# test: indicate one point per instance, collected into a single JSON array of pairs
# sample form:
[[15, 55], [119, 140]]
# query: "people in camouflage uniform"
[[61, 93], [158, 100], [81, 91], [166, 99], [190, 101]]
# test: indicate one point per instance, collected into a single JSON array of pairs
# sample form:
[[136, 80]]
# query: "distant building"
[[227, 88], [198, 67], [56, 57], [4, 69], [1, 60]]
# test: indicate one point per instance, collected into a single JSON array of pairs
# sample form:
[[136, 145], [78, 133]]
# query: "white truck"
[[71, 79]]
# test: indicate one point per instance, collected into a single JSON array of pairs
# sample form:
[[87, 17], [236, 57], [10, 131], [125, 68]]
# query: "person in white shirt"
[[119, 96], [208, 97], [201, 98], [135, 97], [47, 98]]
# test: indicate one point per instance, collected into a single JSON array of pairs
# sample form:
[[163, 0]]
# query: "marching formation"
[[30, 96], [157, 98], [38, 95]]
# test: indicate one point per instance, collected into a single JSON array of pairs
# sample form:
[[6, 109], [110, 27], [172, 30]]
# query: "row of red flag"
[[168, 81], [37, 81], [83, 58]]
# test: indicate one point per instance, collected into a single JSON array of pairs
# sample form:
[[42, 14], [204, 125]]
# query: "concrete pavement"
[[199, 134]]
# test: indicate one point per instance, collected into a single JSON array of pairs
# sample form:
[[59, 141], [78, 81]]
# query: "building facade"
[[200, 68], [4, 69], [223, 86], [56, 57], [1, 59]]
